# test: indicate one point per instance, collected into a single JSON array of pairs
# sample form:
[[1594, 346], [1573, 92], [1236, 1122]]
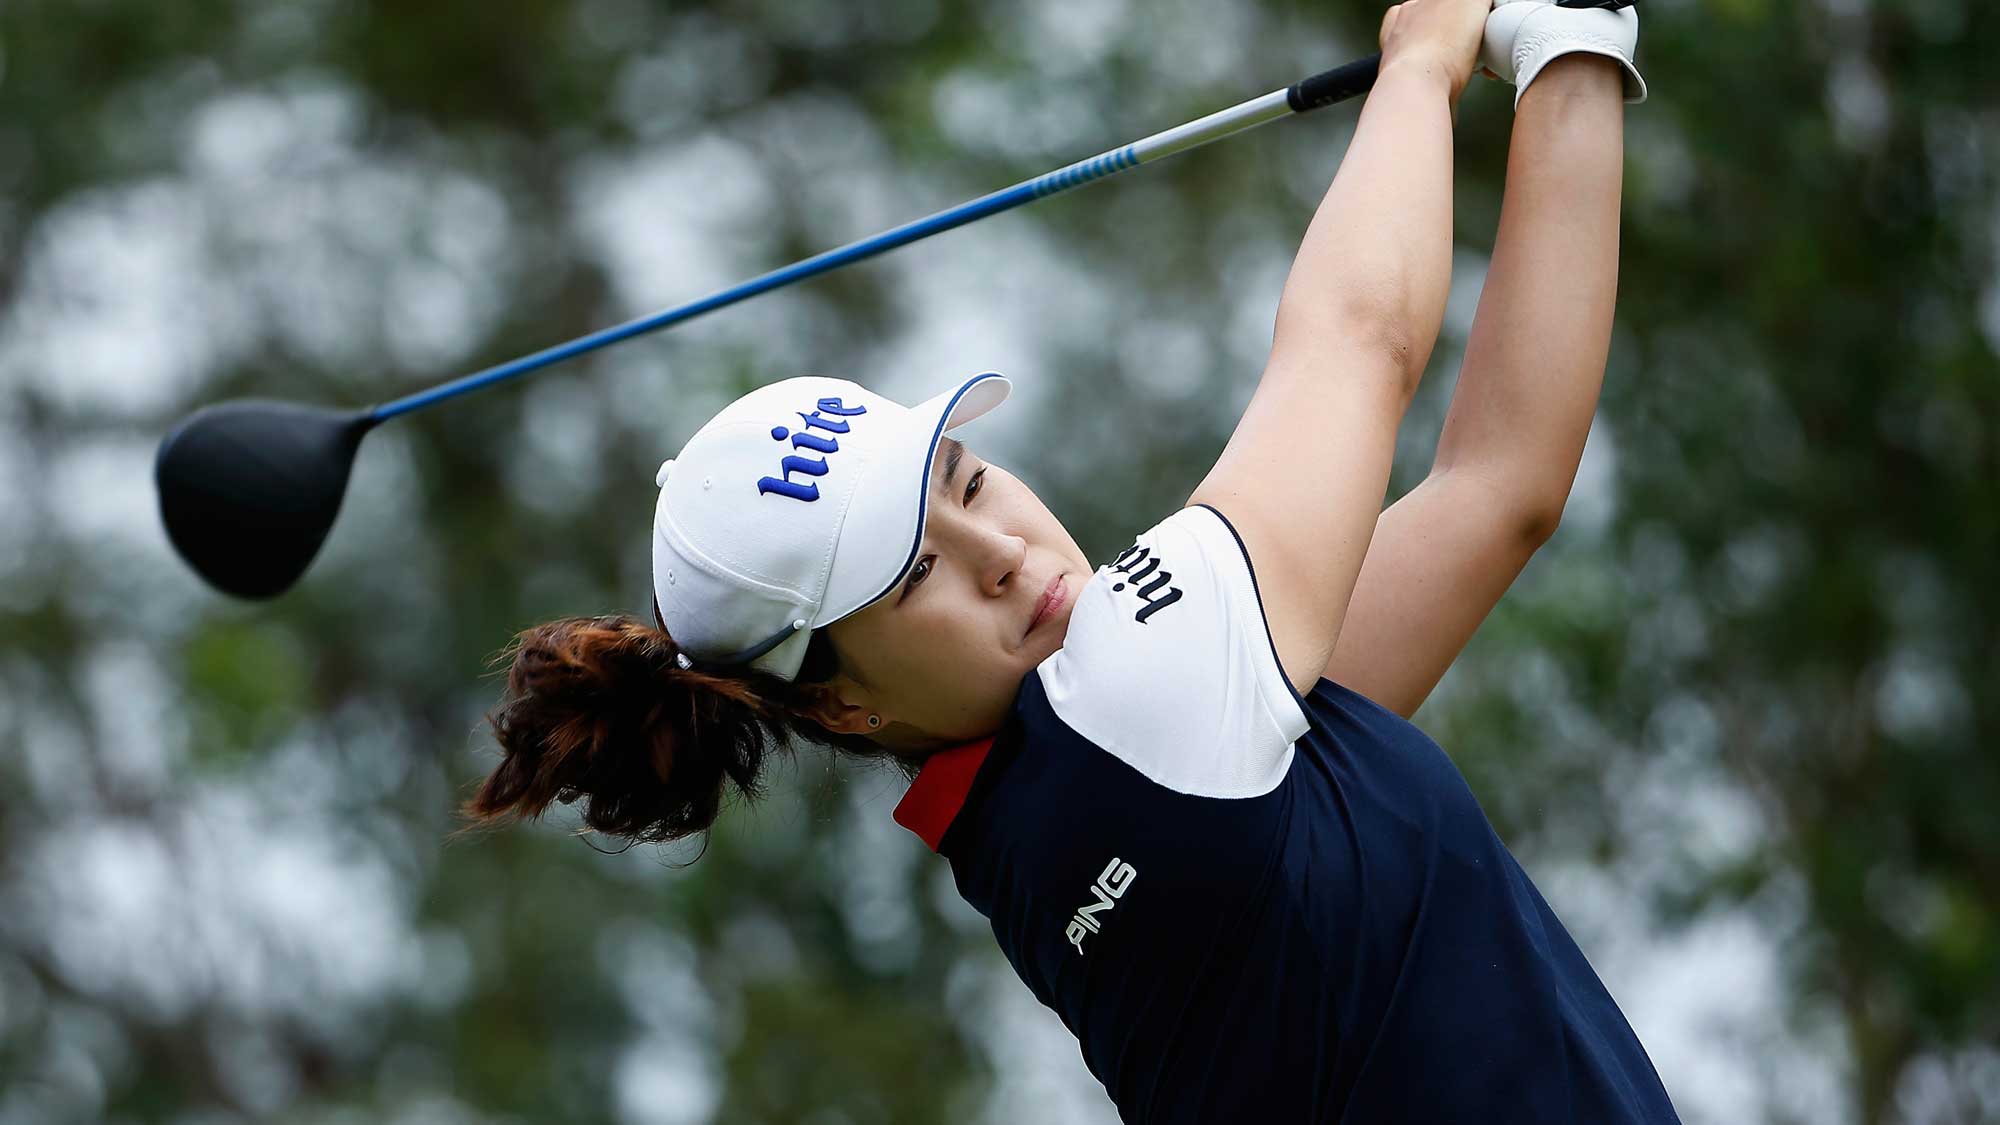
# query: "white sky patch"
[[872, 873], [557, 464], [1200, 44], [663, 395], [56, 759], [242, 138], [659, 975], [229, 898], [761, 945], [18, 521], [101, 490], [663, 1080], [1961, 1085], [966, 314], [63, 1079], [379, 521], [1593, 497], [688, 219], [130, 295], [1038, 1070], [1254, 289], [1706, 998], [112, 298], [139, 734], [959, 914], [257, 1070], [434, 1107], [428, 316], [83, 1053], [1665, 166], [1919, 696], [673, 222], [668, 1075], [657, 94], [1857, 102], [1172, 360], [992, 296], [1702, 1000], [1071, 37], [344, 253], [848, 186], [442, 301], [1756, 563], [983, 109], [1468, 279]]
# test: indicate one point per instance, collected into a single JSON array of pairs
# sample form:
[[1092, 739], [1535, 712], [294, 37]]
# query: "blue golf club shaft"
[[1322, 89], [1319, 90]]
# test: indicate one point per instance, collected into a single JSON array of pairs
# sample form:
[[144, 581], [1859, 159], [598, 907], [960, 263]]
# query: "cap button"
[[666, 468]]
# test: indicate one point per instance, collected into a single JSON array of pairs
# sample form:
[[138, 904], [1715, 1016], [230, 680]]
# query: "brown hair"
[[598, 709]]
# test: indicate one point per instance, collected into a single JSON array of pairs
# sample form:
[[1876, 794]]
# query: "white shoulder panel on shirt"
[[1168, 664]]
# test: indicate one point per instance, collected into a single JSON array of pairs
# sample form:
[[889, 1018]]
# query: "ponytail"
[[606, 711]]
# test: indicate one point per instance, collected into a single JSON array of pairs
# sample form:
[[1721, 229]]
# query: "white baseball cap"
[[800, 503]]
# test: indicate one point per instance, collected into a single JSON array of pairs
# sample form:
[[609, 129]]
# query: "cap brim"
[[884, 530]]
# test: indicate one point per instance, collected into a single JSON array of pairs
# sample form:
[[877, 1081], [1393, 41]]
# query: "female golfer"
[[1181, 785]]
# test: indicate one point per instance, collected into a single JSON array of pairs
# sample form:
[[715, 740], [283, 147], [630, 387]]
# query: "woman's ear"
[[831, 706]]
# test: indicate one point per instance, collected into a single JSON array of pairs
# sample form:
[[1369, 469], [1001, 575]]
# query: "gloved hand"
[[1522, 36]]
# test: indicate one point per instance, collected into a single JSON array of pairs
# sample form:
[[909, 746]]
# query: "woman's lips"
[[1051, 602]]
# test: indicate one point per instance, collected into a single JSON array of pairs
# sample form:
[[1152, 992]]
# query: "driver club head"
[[249, 489]]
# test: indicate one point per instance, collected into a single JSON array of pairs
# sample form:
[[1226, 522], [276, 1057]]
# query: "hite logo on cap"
[[784, 485]]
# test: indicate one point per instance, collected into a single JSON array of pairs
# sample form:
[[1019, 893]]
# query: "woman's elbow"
[[1510, 503], [1534, 518]]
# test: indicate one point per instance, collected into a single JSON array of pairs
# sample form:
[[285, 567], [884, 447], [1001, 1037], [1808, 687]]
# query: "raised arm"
[[1444, 554], [1304, 474]]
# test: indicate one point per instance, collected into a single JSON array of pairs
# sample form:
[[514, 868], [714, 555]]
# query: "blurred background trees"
[[1738, 719]]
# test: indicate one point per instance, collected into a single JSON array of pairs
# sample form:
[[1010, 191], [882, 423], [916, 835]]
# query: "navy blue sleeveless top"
[[1252, 906]]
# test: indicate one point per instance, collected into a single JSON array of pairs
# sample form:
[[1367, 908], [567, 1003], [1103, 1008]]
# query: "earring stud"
[[874, 720]]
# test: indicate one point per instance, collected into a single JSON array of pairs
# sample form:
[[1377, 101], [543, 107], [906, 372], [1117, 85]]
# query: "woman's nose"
[[1008, 553]]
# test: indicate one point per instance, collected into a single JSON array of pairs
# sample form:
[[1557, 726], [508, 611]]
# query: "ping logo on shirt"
[[1109, 888], [783, 484], [1152, 593]]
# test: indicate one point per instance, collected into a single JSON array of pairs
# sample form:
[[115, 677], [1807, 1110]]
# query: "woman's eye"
[[923, 568]]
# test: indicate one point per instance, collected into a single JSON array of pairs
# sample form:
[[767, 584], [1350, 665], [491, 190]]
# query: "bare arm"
[[1304, 474], [1443, 555]]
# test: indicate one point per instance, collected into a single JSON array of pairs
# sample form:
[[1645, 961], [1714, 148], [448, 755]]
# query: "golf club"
[[249, 488]]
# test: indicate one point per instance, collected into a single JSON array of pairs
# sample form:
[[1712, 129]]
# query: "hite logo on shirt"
[[1140, 565], [1109, 888]]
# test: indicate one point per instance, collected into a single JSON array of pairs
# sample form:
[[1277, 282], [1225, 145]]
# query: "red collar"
[[940, 789]]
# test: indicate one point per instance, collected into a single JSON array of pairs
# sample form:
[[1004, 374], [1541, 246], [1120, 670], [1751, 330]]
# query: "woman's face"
[[939, 658]]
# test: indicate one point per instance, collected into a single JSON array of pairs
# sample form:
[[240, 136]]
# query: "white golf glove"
[[1522, 36]]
